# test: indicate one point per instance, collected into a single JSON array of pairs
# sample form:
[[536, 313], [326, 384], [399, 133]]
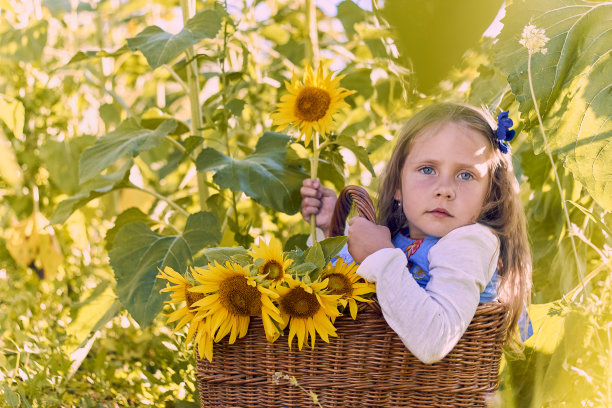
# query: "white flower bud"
[[534, 39]]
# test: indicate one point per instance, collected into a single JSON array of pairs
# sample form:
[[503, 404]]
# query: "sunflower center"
[[299, 303], [339, 284], [312, 104], [192, 297], [273, 269], [236, 295]]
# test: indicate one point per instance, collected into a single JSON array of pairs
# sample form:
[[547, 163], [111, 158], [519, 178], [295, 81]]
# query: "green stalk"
[[312, 45], [188, 9], [552, 162], [161, 197], [224, 101], [314, 164]]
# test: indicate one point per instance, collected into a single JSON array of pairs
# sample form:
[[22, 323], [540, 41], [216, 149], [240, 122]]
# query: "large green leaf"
[[159, 46], [61, 158], [94, 188], [138, 252], [433, 35], [572, 83], [128, 139], [264, 175]]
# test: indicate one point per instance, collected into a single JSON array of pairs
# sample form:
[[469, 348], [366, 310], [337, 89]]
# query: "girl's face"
[[445, 180]]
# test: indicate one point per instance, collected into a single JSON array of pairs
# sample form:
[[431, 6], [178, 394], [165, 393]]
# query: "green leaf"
[[296, 241], [10, 397], [315, 255], [94, 188], [12, 113], [130, 215], [235, 106], [61, 158], [87, 55], [350, 13], [375, 143], [160, 47], [153, 117], [91, 315], [25, 45], [331, 247], [360, 152], [128, 139], [264, 175], [138, 252], [433, 36], [223, 254], [572, 84]]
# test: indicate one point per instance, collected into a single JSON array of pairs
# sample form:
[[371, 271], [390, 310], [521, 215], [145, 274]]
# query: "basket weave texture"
[[367, 365]]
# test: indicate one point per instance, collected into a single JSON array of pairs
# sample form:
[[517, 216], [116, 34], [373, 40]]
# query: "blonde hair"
[[502, 210]]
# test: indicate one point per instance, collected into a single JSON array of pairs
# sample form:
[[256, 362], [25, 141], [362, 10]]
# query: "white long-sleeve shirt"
[[431, 321]]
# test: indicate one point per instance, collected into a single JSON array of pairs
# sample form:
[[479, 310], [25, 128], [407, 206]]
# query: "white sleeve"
[[431, 321]]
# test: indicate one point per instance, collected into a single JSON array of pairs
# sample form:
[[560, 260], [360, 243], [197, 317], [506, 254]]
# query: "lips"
[[440, 213]]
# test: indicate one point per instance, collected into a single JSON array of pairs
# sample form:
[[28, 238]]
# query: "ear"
[[398, 194]]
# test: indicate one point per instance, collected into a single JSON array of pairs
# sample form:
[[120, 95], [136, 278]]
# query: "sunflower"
[[198, 327], [307, 310], [233, 298], [310, 105], [275, 263], [344, 281]]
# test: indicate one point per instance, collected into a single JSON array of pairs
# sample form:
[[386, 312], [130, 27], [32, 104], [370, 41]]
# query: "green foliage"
[[139, 253], [160, 47], [110, 148], [574, 97], [263, 175]]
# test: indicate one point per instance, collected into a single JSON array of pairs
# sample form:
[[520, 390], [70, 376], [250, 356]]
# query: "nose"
[[445, 189]]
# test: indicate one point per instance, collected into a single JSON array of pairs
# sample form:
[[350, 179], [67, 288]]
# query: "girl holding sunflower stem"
[[310, 106], [452, 231]]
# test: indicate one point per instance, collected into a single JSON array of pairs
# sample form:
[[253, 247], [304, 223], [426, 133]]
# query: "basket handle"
[[348, 196]]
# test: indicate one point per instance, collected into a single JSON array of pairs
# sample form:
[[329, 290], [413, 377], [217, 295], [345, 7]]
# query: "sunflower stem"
[[313, 175], [188, 9], [224, 111], [312, 45], [558, 182]]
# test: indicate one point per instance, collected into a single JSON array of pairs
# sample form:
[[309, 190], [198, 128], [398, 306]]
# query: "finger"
[[308, 211], [311, 183], [309, 192], [311, 202], [353, 220]]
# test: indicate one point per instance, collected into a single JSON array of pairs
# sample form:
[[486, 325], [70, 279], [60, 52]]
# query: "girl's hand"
[[318, 200], [365, 238]]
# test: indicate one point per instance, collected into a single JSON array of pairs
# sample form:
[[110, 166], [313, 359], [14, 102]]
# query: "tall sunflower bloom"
[[232, 299], [306, 309], [198, 327], [274, 267], [344, 281], [311, 104]]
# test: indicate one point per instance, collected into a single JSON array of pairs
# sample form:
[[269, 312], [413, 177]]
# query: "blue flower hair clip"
[[504, 133]]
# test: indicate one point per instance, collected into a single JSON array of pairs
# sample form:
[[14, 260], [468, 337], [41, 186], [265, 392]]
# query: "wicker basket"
[[367, 365]]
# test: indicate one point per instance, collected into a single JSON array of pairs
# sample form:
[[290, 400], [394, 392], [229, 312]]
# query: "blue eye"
[[426, 170], [465, 176]]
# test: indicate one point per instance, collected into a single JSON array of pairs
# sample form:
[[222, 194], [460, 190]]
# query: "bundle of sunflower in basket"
[[302, 290]]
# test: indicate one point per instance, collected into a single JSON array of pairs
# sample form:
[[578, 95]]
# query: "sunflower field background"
[[137, 134]]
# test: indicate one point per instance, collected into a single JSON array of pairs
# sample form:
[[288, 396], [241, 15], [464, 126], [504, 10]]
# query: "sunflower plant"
[[301, 292], [310, 106]]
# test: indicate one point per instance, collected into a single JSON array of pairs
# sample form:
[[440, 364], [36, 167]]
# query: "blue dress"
[[417, 252]]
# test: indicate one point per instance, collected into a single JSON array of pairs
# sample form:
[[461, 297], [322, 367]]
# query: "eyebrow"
[[432, 161]]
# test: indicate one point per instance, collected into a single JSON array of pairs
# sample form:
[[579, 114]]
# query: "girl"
[[448, 202]]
